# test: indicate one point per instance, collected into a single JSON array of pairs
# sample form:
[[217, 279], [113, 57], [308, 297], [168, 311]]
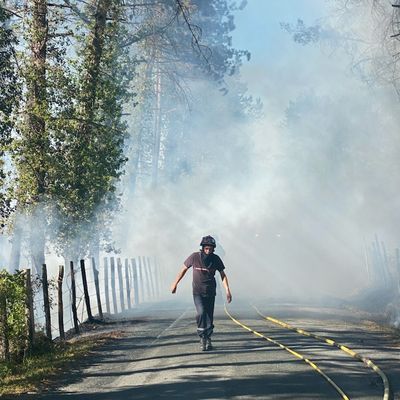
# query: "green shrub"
[[12, 319]]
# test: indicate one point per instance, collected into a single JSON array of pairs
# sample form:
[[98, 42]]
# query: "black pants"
[[205, 314]]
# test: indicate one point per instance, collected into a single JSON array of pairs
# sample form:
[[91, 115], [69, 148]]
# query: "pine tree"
[[195, 48]]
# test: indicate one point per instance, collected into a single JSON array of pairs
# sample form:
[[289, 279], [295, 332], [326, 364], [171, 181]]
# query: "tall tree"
[[77, 64], [9, 95], [32, 148], [93, 140], [196, 48]]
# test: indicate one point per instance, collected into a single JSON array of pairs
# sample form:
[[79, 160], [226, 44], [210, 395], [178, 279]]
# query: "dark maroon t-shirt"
[[204, 272]]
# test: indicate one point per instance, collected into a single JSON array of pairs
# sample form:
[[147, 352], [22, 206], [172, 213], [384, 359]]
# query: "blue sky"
[[281, 70], [258, 25]]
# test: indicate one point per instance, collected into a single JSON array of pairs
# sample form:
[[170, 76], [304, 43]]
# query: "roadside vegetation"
[[48, 361]]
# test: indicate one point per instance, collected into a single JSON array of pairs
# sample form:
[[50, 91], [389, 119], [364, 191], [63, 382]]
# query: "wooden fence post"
[[121, 285], [398, 269], [151, 273], [128, 286], [97, 287], [135, 281], [141, 279], [73, 300], [376, 263], [46, 301], [147, 277], [5, 344], [132, 278], [157, 277], [86, 291], [114, 294], [153, 276], [380, 261], [60, 302], [30, 318], [106, 292]]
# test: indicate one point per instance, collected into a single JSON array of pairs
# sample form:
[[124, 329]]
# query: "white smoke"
[[293, 196]]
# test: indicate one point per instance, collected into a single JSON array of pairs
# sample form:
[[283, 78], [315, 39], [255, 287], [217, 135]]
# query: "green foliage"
[[216, 22], [68, 153], [89, 134], [7, 78], [12, 298], [78, 66], [301, 33], [9, 95]]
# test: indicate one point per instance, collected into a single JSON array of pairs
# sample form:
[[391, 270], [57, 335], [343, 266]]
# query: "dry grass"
[[41, 369]]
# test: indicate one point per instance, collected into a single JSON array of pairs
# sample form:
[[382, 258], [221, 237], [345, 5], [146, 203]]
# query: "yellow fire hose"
[[331, 342], [294, 353]]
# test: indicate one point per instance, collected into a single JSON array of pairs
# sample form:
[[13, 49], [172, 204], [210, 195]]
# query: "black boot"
[[209, 344], [203, 344]]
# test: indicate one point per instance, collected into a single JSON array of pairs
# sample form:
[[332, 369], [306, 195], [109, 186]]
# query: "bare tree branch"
[[77, 11], [144, 33], [11, 12], [194, 36]]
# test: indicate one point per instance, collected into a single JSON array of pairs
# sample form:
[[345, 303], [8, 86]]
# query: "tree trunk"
[[137, 135], [157, 128], [15, 255], [29, 311], [37, 240], [94, 53], [36, 125], [4, 329]]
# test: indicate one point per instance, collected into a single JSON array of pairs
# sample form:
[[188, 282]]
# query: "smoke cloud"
[[294, 195]]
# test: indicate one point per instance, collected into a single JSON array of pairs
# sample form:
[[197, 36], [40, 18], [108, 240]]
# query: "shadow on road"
[[195, 387], [204, 378]]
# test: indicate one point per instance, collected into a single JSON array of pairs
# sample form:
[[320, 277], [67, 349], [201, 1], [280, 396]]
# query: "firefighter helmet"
[[208, 241]]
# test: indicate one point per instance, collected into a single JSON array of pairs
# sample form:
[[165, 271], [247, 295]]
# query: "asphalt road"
[[159, 357]]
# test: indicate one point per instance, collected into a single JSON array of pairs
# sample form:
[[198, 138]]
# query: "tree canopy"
[[84, 100]]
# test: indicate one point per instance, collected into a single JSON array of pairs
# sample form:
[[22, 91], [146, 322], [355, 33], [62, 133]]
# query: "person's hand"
[[173, 288], [228, 296]]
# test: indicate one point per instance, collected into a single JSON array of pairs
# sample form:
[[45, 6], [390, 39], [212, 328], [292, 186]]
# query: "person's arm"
[[226, 286], [181, 274]]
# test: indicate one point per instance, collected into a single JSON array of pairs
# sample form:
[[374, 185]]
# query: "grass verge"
[[42, 368]]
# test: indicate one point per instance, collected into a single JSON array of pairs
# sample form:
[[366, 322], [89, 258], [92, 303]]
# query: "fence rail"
[[81, 293]]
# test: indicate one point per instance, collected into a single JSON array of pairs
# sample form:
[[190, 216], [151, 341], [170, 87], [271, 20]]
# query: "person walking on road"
[[205, 263]]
